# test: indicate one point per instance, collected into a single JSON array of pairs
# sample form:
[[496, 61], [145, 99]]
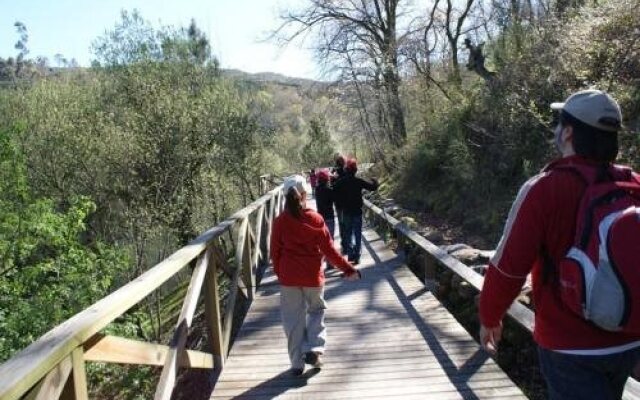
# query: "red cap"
[[323, 175], [352, 165]]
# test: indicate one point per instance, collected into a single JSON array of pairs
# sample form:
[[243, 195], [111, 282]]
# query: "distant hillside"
[[271, 77]]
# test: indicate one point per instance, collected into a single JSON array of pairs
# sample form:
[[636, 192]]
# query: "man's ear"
[[567, 134]]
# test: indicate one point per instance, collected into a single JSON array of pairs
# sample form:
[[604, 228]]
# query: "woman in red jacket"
[[299, 239]]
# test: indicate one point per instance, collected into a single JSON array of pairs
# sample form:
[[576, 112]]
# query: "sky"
[[236, 29]]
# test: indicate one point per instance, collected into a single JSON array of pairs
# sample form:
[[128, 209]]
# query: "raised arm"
[[371, 186]]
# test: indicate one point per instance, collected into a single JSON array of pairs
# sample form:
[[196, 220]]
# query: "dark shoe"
[[329, 267], [297, 371], [355, 261], [313, 358]]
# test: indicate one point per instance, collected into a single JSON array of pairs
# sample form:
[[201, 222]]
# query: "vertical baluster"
[[213, 312]]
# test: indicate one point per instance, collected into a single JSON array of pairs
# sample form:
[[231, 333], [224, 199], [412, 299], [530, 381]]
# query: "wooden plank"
[[257, 255], [212, 311], [250, 268], [24, 370], [114, 349], [417, 369], [242, 257], [53, 383], [170, 369], [233, 289], [79, 376]]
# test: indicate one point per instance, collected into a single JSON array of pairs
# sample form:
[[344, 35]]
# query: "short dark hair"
[[591, 142]]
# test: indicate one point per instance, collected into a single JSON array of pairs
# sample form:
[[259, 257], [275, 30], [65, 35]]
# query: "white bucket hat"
[[298, 182]]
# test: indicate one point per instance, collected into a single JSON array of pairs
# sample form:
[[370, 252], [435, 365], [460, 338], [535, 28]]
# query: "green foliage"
[[472, 150], [320, 149], [135, 40], [47, 258]]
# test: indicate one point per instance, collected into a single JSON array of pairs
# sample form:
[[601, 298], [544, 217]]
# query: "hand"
[[354, 276], [490, 337]]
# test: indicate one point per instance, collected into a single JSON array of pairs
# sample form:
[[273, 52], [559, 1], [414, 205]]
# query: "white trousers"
[[302, 311]]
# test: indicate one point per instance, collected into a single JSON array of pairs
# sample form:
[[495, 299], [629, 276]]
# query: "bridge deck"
[[388, 337]]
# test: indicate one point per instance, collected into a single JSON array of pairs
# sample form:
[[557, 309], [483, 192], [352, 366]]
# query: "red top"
[[542, 217], [297, 246]]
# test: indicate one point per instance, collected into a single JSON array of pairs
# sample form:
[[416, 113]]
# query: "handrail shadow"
[[454, 373]]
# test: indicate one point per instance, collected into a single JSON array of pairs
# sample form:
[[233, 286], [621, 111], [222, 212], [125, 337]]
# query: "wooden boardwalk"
[[388, 337]]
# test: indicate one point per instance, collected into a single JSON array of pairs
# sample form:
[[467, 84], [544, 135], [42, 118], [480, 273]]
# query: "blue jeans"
[[577, 377], [331, 226], [352, 239], [340, 215]]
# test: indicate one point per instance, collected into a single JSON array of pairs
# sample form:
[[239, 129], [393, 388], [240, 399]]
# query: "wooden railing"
[[54, 366], [435, 256]]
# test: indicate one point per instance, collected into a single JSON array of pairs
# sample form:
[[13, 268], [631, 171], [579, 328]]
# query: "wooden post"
[[243, 261], [212, 312], [247, 265], [168, 377], [53, 384], [257, 255], [430, 272], [272, 217]]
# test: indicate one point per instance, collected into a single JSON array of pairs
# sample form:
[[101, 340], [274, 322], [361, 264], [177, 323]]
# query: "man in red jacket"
[[577, 359], [299, 239]]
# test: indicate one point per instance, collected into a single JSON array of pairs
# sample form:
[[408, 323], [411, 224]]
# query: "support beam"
[[213, 312], [117, 350], [53, 383], [171, 365]]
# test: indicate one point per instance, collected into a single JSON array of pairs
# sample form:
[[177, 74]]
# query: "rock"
[[433, 236], [410, 222], [467, 256], [486, 255], [455, 247]]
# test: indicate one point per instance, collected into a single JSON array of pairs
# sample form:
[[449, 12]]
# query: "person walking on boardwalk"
[[324, 203], [588, 340], [337, 173], [348, 199], [299, 239], [313, 181]]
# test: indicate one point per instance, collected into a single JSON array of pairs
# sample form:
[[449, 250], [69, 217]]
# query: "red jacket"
[[541, 219], [297, 246]]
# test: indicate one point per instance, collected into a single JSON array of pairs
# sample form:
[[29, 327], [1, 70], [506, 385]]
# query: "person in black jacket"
[[337, 173], [324, 203], [348, 199]]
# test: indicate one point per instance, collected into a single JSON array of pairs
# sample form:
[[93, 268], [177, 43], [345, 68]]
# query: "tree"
[[453, 30], [21, 45], [319, 151], [361, 40], [45, 257]]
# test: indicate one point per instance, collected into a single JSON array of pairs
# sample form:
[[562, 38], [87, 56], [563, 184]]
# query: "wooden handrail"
[[42, 369], [519, 312]]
